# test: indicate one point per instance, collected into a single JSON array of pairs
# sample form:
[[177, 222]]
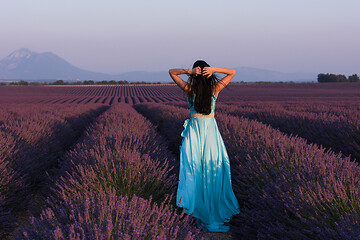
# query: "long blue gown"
[[204, 188]]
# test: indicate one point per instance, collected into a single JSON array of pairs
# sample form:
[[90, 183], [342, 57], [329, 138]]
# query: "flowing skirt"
[[204, 188]]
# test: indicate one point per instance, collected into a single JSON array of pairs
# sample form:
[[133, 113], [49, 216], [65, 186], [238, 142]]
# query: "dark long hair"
[[202, 88]]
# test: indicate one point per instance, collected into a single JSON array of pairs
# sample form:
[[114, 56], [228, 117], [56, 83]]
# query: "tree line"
[[329, 77]]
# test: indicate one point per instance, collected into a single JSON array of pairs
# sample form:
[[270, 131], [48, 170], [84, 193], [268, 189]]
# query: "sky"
[[116, 36]]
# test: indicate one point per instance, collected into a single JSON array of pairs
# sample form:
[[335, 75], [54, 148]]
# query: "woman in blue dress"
[[204, 188]]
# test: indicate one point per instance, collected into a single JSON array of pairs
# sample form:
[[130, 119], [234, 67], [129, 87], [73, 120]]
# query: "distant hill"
[[27, 65], [31, 66], [249, 74]]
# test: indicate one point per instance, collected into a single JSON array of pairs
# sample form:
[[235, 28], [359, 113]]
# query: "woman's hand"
[[208, 71], [196, 71]]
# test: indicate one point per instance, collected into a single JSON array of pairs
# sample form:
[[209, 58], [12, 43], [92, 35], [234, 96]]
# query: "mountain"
[[27, 65]]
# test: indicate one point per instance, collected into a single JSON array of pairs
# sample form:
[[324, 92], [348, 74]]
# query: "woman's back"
[[192, 104]]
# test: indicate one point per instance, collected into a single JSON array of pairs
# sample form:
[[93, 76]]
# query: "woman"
[[204, 188]]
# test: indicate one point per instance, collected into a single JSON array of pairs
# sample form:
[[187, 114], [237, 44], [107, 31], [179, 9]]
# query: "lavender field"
[[101, 162]]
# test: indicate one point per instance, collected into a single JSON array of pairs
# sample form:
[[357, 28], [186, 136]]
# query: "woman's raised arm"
[[174, 73]]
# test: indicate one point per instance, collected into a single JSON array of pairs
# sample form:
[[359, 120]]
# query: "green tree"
[[103, 82], [59, 82], [123, 82], [354, 78], [22, 82], [321, 77], [330, 77], [89, 82], [341, 78]]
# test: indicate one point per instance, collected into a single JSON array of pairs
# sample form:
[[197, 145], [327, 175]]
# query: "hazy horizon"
[[116, 37]]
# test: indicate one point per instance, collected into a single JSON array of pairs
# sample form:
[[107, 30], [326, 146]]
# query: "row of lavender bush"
[[35, 135], [338, 130], [287, 189], [117, 183], [8, 181], [32, 138], [338, 108]]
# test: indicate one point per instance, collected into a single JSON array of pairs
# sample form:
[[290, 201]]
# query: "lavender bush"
[[169, 123], [11, 184], [42, 134], [339, 108], [122, 151], [8, 178], [6, 184], [32, 138], [105, 215], [122, 155]]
